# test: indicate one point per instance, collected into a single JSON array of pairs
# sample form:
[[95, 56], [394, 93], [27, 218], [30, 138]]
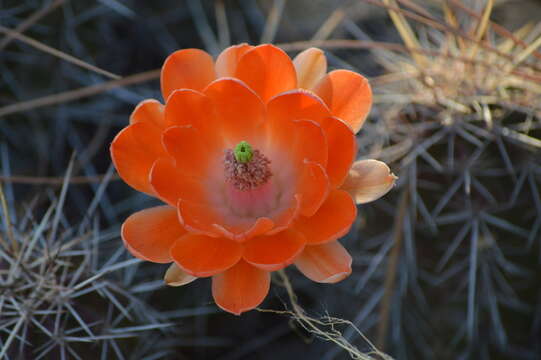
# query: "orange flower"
[[253, 154]]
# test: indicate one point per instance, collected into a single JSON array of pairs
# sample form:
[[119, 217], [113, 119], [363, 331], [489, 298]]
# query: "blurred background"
[[446, 266]]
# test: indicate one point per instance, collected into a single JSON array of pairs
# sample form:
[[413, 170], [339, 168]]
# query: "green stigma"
[[243, 152]]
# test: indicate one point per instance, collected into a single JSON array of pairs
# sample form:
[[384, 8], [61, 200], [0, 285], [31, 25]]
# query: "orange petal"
[[267, 70], [171, 184], [149, 110], [246, 231], [186, 69], [369, 180], [226, 63], [134, 151], [239, 111], [285, 219], [297, 104], [199, 218], [205, 219], [309, 142], [348, 95], [311, 66], [295, 141], [175, 276], [313, 187], [342, 149], [188, 147], [274, 252], [332, 221], [187, 107], [326, 263], [241, 288], [202, 256], [150, 233]]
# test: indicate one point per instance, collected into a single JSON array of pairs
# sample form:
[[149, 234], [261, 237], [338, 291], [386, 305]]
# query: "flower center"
[[246, 168]]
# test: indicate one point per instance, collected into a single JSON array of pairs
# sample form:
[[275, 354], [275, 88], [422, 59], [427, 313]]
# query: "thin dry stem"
[[325, 327], [405, 31], [273, 20], [330, 24], [31, 20], [62, 55], [79, 93], [224, 36], [55, 180], [527, 52], [482, 26]]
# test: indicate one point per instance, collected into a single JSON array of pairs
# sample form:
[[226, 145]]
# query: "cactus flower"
[[253, 155]]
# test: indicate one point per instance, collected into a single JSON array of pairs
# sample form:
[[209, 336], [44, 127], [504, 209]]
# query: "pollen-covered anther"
[[246, 175]]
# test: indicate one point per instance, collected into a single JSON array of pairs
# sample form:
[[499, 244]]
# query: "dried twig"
[[330, 24], [273, 20], [79, 93], [325, 327], [28, 22], [62, 55], [56, 180]]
